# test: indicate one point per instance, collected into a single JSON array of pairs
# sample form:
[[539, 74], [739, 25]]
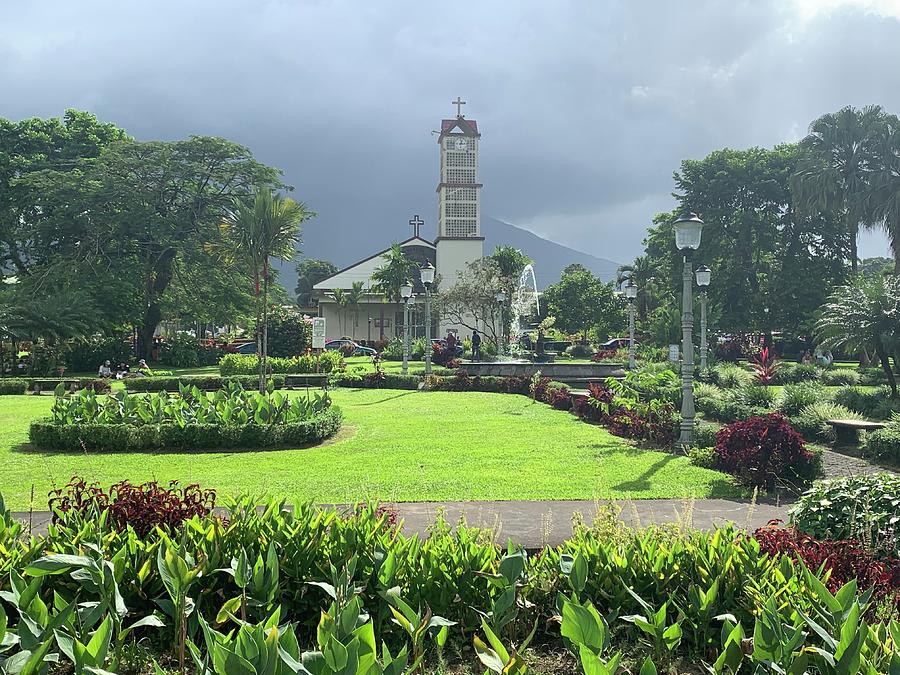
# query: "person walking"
[[476, 346]]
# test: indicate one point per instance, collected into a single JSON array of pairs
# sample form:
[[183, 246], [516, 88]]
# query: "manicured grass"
[[395, 446]]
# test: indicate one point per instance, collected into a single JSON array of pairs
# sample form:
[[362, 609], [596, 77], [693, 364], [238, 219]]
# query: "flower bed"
[[231, 418]]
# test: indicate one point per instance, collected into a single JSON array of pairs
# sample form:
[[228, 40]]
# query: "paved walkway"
[[535, 524], [839, 465]]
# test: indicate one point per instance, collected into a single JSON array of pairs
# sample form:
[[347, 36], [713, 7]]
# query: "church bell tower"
[[459, 239]]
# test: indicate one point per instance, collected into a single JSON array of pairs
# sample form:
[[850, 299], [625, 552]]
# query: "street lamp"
[[631, 290], [500, 297], [427, 274], [688, 229], [704, 275], [406, 293]]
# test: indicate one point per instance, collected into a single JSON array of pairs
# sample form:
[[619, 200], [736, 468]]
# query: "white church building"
[[458, 243]]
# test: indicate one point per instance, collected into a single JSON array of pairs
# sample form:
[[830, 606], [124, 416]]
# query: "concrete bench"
[[847, 431], [305, 380], [37, 386]]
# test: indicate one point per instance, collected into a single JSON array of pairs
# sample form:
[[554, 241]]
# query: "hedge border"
[[204, 382], [46, 435], [13, 386]]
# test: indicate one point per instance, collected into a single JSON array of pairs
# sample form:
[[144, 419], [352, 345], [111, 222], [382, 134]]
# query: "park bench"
[[38, 386], [305, 380], [847, 431]]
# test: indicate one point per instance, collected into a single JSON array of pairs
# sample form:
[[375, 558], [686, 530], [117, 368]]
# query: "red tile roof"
[[447, 125]]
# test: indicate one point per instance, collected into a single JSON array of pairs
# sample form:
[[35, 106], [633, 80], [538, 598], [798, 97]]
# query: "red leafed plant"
[[762, 450], [765, 366], [143, 506], [845, 560], [604, 354]]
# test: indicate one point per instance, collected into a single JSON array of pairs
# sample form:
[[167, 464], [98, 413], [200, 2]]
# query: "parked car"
[[236, 346], [246, 348], [616, 343], [358, 349]]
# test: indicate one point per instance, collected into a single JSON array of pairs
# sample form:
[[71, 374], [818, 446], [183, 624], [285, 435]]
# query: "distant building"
[[459, 242]]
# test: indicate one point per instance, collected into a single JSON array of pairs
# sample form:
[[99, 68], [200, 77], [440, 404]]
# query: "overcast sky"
[[586, 108]]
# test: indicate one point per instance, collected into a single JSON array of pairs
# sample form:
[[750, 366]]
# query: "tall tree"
[[259, 229], [884, 186], [580, 301], [310, 272], [835, 168]]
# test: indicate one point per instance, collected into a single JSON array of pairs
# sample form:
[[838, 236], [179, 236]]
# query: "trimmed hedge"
[[98, 384], [377, 381], [12, 386], [487, 383], [248, 364], [884, 444], [45, 434], [204, 382]]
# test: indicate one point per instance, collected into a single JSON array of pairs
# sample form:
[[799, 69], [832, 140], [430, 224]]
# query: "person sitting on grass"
[[105, 371], [143, 369]]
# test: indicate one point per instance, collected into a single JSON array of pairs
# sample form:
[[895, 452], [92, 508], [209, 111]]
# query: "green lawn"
[[395, 446]]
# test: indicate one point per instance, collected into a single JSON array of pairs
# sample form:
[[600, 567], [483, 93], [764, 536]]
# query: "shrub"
[[764, 451], [730, 376], [248, 364], [704, 457], [142, 507], [884, 444], [185, 351], [795, 397], [13, 385], [841, 376], [866, 508], [730, 351], [392, 352], [756, 396], [707, 390], [557, 396], [462, 382], [873, 403], [604, 355], [792, 373], [289, 334], [705, 435], [765, 366], [812, 420], [845, 560], [204, 382], [86, 357], [79, 437]]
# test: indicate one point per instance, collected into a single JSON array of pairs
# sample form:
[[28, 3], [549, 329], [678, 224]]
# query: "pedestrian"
[[476, 346]]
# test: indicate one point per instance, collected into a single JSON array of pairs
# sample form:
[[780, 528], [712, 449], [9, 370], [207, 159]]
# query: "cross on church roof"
[[416, 223], [459, 103]]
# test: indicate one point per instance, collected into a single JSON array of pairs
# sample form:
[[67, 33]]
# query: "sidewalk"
[[535, 524]]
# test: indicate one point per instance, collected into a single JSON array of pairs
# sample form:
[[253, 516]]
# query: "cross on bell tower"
[[416, 223], [459, 103]]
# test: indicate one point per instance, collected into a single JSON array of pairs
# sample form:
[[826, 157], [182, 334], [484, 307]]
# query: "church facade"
[[368, 316]]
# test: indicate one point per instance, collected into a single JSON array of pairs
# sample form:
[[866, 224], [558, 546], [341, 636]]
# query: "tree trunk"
[[160, 277], [897, 360], [886, 366]]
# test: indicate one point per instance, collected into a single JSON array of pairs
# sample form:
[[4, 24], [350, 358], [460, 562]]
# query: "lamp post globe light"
[[704, 276], [406, 293], [500, 297], [427, 275], [631, 290], [688, 229]]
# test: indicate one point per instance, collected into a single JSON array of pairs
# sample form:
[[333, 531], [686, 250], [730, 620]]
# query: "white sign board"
[[674, 353], [318, 333]]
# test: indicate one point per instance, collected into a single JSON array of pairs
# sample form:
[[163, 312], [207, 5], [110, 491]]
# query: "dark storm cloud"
[[586, 107]]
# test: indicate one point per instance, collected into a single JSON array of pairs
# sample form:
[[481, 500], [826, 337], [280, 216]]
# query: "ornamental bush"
[[866, 508], [884, 444], [812, 421], [841, 376], [13, 386], [377, 380], [756, 396], [765, 451], [875, 403], [463, 382], [186, 351], [730, 376], [78, 437], [795, 397]]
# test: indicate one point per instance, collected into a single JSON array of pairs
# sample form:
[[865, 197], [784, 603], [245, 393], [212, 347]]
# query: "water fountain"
[[524, 303]]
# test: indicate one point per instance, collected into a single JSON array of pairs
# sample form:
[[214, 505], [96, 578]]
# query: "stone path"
[[535, 524], [840, 465]]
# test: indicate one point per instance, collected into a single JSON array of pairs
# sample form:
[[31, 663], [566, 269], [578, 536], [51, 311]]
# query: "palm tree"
[[264, 227], [354, 296], [395, 272], [341, 299], [885, 183], [835, 167], [864, 314]]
